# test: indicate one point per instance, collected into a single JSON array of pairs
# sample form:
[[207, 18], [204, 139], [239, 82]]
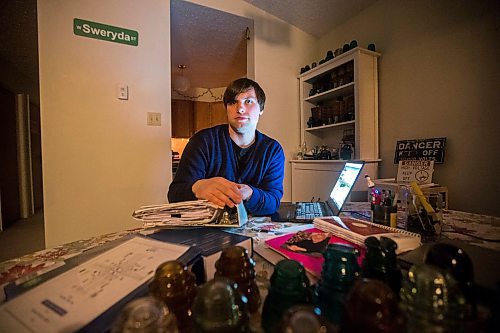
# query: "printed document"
[[71, 300]]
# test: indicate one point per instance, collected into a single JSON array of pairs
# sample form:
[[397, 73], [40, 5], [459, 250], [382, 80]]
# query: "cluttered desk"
[[114, 271], [402, 259]]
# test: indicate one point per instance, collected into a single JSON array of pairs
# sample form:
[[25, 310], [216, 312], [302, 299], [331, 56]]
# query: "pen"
[[395, 200]]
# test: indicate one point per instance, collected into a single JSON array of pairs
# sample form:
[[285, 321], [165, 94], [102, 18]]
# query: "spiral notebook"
[[356, 231]]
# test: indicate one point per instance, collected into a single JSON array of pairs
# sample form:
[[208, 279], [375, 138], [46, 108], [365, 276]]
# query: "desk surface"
[[472, 228]]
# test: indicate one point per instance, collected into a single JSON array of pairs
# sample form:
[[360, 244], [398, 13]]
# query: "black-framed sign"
[[420, 149]]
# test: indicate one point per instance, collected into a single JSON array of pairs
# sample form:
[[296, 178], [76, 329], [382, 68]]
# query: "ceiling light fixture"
[[181, 82]]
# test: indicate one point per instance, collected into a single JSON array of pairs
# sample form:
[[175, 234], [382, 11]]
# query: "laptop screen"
[[345, 183]]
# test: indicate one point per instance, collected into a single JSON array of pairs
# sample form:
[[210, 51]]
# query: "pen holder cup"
[[427, 224], [385, 215]]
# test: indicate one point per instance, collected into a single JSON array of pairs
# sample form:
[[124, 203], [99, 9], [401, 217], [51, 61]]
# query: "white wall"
[[439, 76], [280, 50], [100, 160]]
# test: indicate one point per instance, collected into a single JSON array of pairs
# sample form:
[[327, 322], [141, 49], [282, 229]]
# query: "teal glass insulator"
[[393, 274], [456, 261], [340, 268], [289, 286], [373, 262], [380, 262], [340, 271], [432, 300]]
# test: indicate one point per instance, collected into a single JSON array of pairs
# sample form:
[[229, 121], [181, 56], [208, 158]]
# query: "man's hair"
[[241, 85]]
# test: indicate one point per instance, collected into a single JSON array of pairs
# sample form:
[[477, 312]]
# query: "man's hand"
[[219, 190]]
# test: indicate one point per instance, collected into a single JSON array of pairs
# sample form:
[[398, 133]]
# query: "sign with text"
[[418, 171], [105, 32], [420, 149]]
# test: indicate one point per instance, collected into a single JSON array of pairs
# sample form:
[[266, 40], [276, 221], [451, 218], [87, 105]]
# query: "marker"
[[420, 195], [374, 193]]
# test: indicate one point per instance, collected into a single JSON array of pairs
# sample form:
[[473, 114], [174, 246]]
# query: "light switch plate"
[[154, 119]]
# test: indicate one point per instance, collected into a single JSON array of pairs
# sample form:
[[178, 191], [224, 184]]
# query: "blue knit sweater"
[[210, 153]]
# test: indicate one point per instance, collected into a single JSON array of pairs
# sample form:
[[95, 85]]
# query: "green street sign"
[[105, 32]]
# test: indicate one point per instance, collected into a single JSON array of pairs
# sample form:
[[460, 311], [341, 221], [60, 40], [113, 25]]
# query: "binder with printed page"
[[209, 241], [356, 231], [197, 248], [88, 296]]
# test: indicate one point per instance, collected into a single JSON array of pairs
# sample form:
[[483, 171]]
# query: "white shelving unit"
[[315, 178], [365, 91]]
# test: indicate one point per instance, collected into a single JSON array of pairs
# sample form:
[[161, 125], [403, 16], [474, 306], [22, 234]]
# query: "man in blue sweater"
[[231, 163]]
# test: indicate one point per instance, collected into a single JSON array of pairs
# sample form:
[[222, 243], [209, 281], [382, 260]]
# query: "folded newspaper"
[[191, 213]]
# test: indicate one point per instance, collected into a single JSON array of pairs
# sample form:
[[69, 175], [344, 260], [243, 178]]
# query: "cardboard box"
[[394, 187]]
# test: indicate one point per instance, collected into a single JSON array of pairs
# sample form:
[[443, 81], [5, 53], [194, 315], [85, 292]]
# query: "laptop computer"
[[306, 211]]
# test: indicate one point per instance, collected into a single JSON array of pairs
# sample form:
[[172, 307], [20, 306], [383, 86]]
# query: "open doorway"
[[22, 229], [209, 49]]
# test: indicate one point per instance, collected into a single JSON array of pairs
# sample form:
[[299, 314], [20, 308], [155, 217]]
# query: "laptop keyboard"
[[308, 210]]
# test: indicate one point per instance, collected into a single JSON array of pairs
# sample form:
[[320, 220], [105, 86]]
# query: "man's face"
[[243, 114], [317, 237]]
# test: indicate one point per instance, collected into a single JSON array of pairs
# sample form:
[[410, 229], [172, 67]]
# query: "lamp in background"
[[181, 83]]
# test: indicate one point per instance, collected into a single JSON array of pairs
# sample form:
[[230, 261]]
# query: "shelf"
[[314, 178], [331, 94], [336, 61], [360, 97], [370, 160], [318, 128]]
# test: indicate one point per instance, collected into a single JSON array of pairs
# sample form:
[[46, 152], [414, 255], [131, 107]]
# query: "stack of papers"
[[187, 213]]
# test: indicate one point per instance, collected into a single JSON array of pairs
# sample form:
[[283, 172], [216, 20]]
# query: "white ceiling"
[[211, 43], [316, 17]]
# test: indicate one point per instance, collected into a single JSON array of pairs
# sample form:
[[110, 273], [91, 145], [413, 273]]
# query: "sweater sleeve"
[[266, 198], [209, 154], [191, 168]]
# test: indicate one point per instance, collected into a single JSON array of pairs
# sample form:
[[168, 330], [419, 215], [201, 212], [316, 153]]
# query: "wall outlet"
[[122, 91], [154, 119]]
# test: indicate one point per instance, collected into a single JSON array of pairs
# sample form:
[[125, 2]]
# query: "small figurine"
[[225, 218], [345, 152]]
